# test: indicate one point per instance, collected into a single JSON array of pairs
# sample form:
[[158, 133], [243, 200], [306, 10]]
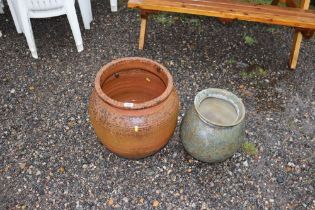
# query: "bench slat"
[[268, 9], [230, 9], [236, 6]]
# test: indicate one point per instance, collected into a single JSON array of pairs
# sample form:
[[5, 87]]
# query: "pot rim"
[[134, 106], [223, 95]]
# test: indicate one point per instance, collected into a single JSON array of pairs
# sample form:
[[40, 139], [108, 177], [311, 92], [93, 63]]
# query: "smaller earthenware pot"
[[213, 129]]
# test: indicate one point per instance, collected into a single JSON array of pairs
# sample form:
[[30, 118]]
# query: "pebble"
[[291, 164], [22, 165], [155, 203], [245, 163], [110, 202], [280, 179], [204, 206], [29, 171], [78, 206], [241, 65], [61, 169], [141, 200]]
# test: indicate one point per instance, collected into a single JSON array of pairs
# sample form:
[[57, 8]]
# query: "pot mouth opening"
[[219, 107], [133, 83]]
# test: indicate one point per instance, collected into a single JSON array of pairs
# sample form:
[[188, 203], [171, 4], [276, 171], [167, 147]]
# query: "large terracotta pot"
[[214, 127], [134, 107]]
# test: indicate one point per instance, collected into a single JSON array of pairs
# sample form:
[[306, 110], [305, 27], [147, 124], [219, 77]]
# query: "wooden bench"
[[300, 18]]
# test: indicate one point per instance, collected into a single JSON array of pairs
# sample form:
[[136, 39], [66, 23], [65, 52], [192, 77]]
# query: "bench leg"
[[144, 19], [297, 40], [298, 36]]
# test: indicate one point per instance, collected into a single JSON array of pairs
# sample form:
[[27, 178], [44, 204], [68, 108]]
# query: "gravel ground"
[[51, 159]]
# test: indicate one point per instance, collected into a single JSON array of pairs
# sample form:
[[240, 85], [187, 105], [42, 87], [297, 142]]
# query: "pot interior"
[[219, 107], [218, 111], [133, 86]]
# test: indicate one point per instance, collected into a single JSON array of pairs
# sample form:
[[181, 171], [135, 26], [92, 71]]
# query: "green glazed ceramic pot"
[[208, 137]]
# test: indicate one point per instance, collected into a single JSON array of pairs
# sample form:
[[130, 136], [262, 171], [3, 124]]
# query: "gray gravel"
[[51, 159]]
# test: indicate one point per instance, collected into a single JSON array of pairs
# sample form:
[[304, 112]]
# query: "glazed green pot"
[[212, 139]]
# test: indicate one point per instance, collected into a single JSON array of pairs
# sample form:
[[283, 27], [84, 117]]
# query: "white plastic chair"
[[85, 8], [27, 9]]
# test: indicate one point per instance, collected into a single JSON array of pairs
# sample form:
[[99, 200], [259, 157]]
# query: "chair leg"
[[27, 28], [86, 12], [74, 24], [144, 19], [14, 12], [1, 7], [113, 5], [28, 32], [298, 36]]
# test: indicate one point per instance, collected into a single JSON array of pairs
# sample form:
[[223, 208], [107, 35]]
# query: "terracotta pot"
[[134, 107], [213, 129]]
